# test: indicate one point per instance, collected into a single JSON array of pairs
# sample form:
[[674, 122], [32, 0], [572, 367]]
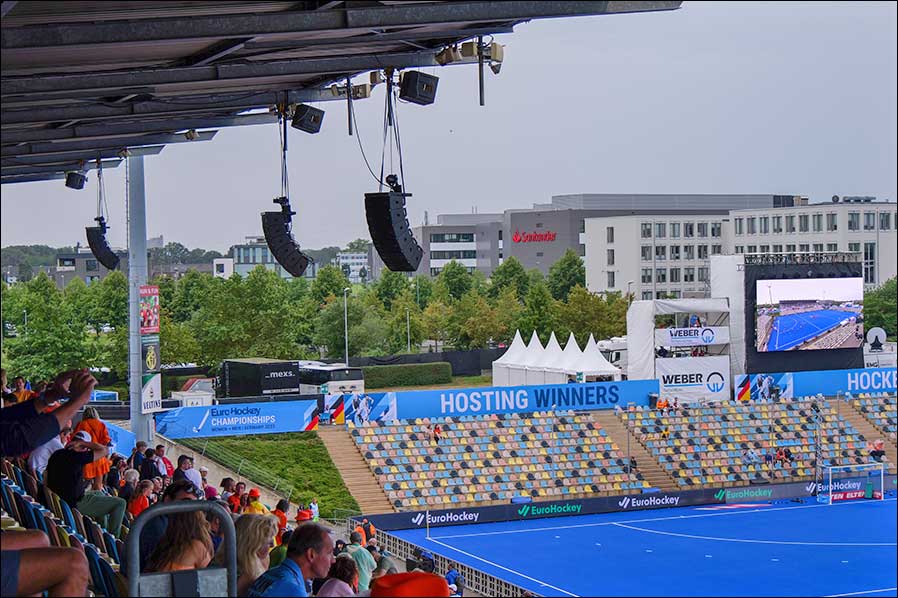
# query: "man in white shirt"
[[38, 458]]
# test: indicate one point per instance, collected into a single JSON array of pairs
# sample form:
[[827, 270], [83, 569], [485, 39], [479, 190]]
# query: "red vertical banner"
[[149, 309]]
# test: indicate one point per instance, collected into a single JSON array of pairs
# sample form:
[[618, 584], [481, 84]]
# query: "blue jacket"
[[284, 580]]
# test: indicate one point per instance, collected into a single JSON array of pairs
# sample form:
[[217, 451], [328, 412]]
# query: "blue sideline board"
[[827, 382]]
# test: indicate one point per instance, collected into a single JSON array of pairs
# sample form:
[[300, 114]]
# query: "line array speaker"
[[96, 239], [281, 244], [390, 232]]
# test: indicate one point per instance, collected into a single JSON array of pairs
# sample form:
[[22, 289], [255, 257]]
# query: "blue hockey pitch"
[[791, 330], [845, 549]]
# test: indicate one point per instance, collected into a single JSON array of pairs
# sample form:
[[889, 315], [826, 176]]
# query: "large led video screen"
[[809, 314]]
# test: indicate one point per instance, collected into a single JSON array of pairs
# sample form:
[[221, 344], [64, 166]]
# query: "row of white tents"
[[528, 364]]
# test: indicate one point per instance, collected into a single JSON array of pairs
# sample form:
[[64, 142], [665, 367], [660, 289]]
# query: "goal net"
[[853, 482]]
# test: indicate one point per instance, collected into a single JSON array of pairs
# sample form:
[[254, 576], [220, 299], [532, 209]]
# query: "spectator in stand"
[[155, 529], [279, 553], [137, 455], [186, 471], [28, 567], [342, 579], [255, 538], [455, 580], [362, 558], [632, 466], [366, 531], [780, 456], [130, 478], [28, 425], [141, 499], [768, 458], [313, 506], [211, 492], [38, 458], [339, 546], [114, 476], [65, 477], [236, 499], [149, 468], [675, 407], [416, 583], [787, 455], [280, 513], [90, 422], [9, 399], [186, 544], [227, 488], [204, 472], [662, 405], [165, 466], [385, 565], [215, 527], [309, 556], [21, 393], [255, 506], [158, 490], [437, 434]]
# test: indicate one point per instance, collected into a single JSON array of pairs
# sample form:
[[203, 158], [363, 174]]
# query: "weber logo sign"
[[692, 337], [695, 379]]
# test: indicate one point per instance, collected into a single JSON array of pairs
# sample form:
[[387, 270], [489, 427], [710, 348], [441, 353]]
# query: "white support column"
[[141, 425]]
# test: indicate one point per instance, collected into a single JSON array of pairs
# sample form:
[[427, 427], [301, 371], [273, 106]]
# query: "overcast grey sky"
[[754, 97]]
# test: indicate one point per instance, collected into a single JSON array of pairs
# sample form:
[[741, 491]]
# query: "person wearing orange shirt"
[[21, 393], [90, 423], [141, 499], [662, 405], [280, 511]]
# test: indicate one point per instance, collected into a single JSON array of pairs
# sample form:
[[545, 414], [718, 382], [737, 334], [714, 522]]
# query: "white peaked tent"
[[511, 357], [528, 370], [571, 354], [553, 362], [593, 364]]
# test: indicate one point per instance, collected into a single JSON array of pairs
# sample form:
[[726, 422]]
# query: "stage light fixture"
[[276, 227], [75, 179], [96, 239], [389, 228], [306, 118], [418, 88]]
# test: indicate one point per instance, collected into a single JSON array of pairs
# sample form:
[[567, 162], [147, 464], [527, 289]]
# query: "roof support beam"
[[65, 85], [185, 105], [130, 141], [375, 37], [85, 155], [216, 51], [31, 178], [61, 167], [106, 33], [99, 131]]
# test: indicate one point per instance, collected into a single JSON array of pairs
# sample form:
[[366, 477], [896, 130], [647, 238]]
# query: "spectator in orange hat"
[[416, 583], [255, 506]]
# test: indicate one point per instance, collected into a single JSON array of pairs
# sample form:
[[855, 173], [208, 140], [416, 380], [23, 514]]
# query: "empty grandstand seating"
[[494, 458], [705, 445], [881, 410], [63, 525]]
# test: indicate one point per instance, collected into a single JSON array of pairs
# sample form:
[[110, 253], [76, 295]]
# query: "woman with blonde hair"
[[90, 423], [186, 544], [255, 538]]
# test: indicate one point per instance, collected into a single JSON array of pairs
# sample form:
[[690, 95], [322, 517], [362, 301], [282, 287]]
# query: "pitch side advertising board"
[[697, 379]]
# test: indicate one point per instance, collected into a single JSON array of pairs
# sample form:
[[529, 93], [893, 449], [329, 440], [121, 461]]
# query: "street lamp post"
[[629, 292], [408, 331], [345, 327]]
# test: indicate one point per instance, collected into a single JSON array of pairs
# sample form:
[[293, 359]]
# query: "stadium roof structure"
[[81, 81]]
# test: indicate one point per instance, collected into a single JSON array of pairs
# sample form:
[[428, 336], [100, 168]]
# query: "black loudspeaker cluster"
[[390, 232], [418, 88], [96, 239], [280, 241], [75, 180], [308, 119]]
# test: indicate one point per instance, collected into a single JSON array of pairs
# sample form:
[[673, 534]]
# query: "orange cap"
[[416, 583], [254, 493]]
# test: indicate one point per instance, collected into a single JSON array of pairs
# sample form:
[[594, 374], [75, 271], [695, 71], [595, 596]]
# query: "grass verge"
[[299, 458], [457, 382]]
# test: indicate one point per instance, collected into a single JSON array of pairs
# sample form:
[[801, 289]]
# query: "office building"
[[254, 252]]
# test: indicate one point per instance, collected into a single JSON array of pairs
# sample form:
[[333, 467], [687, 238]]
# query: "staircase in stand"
[[354, 470], [870, 432], [646, 464]]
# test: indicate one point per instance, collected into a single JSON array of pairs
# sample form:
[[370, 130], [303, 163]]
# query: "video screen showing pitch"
[[809, 314]]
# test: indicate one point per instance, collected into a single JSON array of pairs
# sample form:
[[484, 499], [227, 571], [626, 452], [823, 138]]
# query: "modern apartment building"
[[355, 265], [82, 264], [668, 256], [254, 251]]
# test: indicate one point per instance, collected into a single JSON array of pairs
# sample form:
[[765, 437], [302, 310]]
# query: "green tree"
[[539, 312], [167, 291], [565, 274], [510, 273], [54, 338], [110, 305], [177, 343], [330, 281], [25, 272], [12, 305], [880, 308], [391, 285], [404, 325], [358, 246], [422, 289], [583, 314], [298, 289], [192, 290], [435, 320], [79, 299], [508, 311], [534, 276], [472, 322], [456, 279], [330, 330]]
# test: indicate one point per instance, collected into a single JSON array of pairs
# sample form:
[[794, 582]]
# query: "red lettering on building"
[[546, 237]]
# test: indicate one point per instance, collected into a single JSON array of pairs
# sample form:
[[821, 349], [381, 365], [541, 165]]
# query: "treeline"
[[207, 319]]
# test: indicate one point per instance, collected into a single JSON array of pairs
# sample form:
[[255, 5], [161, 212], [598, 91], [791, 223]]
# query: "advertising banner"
[[692, 337], [151, 393], [149, 354], [787, 385], [332, 409], [771, 492], [123, 441], [694, 379], [239, 419], [149, 309], [542, 510]]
